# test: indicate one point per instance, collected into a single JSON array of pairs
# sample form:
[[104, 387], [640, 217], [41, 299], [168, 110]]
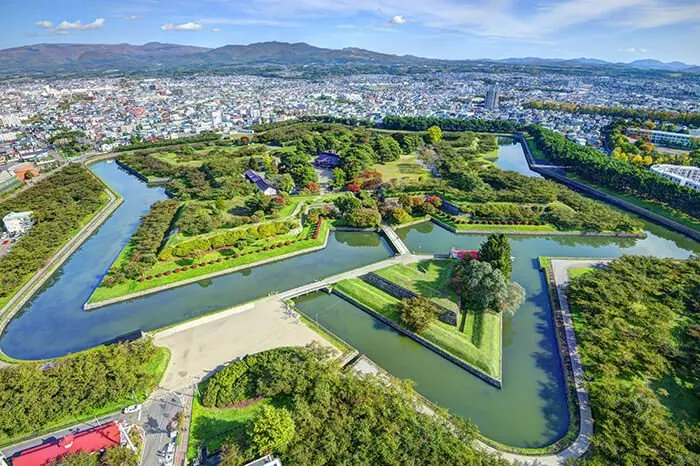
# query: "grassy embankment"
[[404, 169], [478, 344], [155, 368], [656, 207], [222, 260]]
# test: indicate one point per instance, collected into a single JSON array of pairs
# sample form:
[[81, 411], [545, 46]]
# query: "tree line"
[[410, 123], [637, 321], [202, 137], [617, 175], [60, 204], [34, 395], [686, 118], [367, 419]]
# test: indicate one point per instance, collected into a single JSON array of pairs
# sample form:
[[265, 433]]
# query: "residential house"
[[265, 187]]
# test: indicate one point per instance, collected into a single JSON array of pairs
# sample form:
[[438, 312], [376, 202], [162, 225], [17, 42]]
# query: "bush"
[[141, 279], [417, 313], [167, 272], [159, 275]]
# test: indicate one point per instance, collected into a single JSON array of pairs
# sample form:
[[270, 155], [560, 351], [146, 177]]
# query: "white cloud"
[[78, 26], [216, 30], [132, 17], [629, 50], [245, 22], [181, 27], [397, 20], [44, 24], [62, 32], [643, 50]]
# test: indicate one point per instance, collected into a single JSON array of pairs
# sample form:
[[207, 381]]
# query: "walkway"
[[395, 241]]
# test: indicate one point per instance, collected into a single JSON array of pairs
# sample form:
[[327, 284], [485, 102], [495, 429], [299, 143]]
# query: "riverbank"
[[136, 289], [25, 293], [440, 338]]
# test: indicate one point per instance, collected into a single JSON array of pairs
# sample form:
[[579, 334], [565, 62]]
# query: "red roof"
[[463, 254], [89, 441]]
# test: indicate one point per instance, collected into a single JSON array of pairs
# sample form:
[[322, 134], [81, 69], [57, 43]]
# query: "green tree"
[[231, 455], [435, 134], [364, 217], [417, 313], [484, 287], [272, 430], [339, 178], [496, 251], [285, 183]]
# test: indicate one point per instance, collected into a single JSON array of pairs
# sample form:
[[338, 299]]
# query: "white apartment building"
[[684, 176]]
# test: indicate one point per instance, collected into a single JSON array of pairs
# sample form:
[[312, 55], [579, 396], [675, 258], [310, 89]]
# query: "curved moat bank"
[[53, 323], [512, 157]]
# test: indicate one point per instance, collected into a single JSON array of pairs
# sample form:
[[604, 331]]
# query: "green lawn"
[[478, 346], [575, 272], [405, 168], [428, 278], [655, 207], [536, 152], [214, 427], [103, 293], [174, 159]]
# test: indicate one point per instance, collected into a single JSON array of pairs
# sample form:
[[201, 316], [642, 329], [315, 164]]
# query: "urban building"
[[17, 223], [25, 171], [665, 138], [327, 160], [8, 181], [684, 176], [492, 98]]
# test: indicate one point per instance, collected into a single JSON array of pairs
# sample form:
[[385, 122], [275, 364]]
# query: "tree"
[[435, 134], [231, 455], [285, 183], [365, 217], [483, 287], [417, 313], [496, 251], [339, 178], [272, 430]]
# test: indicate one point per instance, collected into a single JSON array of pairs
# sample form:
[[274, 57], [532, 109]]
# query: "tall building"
[[492, 98]]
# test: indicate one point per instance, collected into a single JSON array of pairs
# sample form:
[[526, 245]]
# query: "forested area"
[[203, 137], [615, 174], [327, 416], [686, 118], [60, 204], [145, 243], [637, 321], [217, 175], [449, 124], [37, 394]]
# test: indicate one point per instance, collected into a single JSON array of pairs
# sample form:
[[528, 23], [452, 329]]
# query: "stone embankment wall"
[[399, 292]]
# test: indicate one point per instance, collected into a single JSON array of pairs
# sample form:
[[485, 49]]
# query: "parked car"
[[131, 409]]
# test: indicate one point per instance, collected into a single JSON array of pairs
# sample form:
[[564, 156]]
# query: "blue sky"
[[617, 30]]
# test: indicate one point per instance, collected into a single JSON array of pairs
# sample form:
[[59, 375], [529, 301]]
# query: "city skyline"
[[617, 30]]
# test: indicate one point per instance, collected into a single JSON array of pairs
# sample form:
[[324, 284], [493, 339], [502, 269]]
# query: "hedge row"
[[226, 238], [473, 221]]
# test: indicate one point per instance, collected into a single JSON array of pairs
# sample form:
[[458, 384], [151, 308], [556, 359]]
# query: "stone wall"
[[399, 292]]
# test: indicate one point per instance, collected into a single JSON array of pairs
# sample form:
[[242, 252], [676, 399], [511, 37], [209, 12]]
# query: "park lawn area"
[[428, 278], [656, 207], [575, 272], [223, 260], [405, 168], [214, 427], [173, 159], [538, 155], [486, 357], [155, 368]]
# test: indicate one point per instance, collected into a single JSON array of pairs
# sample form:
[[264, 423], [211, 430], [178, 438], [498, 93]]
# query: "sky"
[[615, 30]]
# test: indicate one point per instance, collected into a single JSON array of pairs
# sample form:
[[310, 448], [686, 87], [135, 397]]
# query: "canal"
[[54, 323]]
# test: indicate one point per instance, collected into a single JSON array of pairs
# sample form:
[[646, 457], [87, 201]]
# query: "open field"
[[478, 346], [429, 279], [405, 168]]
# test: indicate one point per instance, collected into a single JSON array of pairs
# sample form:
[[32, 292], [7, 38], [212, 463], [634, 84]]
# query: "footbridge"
[[395, 241]]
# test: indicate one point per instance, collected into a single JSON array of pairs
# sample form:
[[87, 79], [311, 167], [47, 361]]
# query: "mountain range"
[[75, 58]]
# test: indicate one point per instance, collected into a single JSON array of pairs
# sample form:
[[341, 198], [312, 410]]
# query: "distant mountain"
[[77, 58], [659, 65]]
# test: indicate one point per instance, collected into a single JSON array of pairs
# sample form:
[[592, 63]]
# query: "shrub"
[[266, 248], [159, 275], [150, 277], [287, 243], [167, 272], [202, 264], [218, 259], [185, 269], [194, 266], [236, 256], [142, 279]]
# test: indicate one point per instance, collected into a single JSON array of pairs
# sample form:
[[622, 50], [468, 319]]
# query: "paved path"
[[395, 240], [583, 440]]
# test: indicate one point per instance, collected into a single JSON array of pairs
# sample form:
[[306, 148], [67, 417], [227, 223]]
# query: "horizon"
[[180, 44], [610, 30]]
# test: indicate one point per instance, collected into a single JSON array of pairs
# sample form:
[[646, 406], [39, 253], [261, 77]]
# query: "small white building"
[[17, 223]]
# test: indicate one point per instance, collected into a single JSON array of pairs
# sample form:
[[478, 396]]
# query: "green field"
[[429, 279], [214, 427], [575, 272], [405, 168], [103, 293], [479, 345]]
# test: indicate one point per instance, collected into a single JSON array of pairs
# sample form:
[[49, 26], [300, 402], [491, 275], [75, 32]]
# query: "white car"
[[131, 409]]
